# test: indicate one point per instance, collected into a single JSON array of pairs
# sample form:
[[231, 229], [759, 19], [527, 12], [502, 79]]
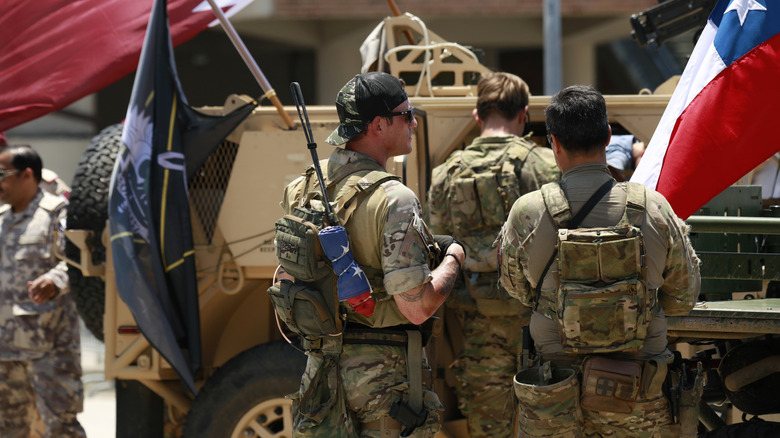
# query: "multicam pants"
[[373, 378], [485, 370]]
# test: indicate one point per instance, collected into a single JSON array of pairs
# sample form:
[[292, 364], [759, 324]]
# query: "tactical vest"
[[481, 193], [602, 303], [310, 306]]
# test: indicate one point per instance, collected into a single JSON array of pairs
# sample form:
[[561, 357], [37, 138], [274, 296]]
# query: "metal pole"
[[250, 62], [553, 77]]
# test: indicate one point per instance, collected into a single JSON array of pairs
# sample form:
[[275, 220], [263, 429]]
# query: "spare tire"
[[88, 210]]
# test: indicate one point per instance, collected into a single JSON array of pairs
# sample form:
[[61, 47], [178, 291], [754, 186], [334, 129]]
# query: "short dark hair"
[[501, 93], [577, 115], [23, 156]]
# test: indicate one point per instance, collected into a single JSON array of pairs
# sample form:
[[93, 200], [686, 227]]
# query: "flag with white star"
[[721, 120]]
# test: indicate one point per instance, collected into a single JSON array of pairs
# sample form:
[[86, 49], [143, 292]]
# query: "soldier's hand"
[[446, 246], [41, 289]]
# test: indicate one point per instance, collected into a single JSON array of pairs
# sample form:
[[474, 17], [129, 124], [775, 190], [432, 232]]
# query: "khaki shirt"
[[27, 252], [528, 238], [386, 232]]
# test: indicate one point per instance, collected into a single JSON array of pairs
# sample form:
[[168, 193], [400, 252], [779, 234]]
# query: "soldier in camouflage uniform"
[[40, 358], [492, 321], [578, 128], [387, 236]]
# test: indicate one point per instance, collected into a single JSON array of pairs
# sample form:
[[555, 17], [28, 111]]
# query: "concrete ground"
[[99, 415]]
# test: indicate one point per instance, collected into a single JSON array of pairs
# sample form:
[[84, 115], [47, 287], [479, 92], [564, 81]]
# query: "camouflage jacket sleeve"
[[682, 280], [406, 240], [512, 252], [59, 273], [436, 207]]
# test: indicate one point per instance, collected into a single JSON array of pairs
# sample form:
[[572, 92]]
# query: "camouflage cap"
[[363, 98]]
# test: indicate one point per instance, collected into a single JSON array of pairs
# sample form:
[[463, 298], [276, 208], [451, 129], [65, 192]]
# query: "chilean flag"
[[54, 52], [722, 120]]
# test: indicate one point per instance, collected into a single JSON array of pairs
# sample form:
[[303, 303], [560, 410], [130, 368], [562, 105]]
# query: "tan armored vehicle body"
[[248, 367]]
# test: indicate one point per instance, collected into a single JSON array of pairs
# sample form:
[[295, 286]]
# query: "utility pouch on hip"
[[610, 385], [305, 309], [654, 373], [548, 402]]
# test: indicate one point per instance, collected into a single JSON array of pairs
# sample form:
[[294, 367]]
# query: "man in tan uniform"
[[40, 358], [578, 128], [393, 246], [510, 165]]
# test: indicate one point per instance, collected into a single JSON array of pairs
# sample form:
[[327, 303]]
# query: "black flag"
[[164, 140]]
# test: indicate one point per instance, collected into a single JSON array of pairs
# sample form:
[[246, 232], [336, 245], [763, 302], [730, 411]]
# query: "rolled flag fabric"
[[352, 282]]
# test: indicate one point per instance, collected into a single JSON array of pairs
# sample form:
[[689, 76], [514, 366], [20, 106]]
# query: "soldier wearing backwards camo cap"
[[393, 245], [599, 311], [470, 196]]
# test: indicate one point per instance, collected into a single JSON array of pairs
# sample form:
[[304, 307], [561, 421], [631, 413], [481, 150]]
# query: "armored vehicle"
[[249, 365]]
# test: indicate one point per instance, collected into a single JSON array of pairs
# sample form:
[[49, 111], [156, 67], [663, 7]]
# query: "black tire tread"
[[88, 210], [261, 373]]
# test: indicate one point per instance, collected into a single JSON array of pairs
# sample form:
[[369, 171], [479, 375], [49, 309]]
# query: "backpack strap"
[[636, 201], [556, 203], [350, 196]]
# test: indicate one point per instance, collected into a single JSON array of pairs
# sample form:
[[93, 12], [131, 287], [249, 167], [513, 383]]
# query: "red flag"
[[721, 120], [55, 52]]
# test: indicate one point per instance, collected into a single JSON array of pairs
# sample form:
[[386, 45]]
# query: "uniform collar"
[[586, 170], [355, 161]]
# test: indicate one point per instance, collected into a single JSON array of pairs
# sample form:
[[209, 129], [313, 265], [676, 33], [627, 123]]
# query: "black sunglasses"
[[408, 113]]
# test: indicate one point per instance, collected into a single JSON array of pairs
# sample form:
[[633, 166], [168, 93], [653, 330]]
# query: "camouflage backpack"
[[310, 306], [602, 301]]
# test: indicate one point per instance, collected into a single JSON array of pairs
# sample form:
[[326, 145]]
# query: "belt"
[[385, 422], [376, 337]]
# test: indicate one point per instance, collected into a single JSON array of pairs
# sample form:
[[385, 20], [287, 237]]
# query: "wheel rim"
[[270, 419]]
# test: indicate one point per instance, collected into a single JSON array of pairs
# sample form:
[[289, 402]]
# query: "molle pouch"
[[491, 197], [548, 404], [603, 319], [600, 254], [610, 385], [298, 246], [465, 211], [305, 309]]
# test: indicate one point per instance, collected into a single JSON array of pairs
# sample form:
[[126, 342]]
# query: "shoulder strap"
[[521, 148], [574, 222], [350, 196], [556, 203], [636, 200]]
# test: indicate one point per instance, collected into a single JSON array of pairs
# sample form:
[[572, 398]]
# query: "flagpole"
[[270, 93]]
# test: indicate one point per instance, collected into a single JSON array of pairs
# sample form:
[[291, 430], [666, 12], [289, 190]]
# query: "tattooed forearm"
[[414, 295]]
